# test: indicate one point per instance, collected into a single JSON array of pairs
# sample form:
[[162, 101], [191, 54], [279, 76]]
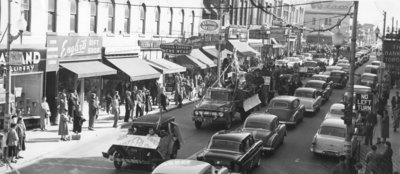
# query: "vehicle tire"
[[117, 164], [174, 151], [198, 124], [228, 123]]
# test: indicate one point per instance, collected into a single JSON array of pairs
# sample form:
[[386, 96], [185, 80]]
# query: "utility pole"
[[7, 115], [349, 126], [381, 58], [220, 14]]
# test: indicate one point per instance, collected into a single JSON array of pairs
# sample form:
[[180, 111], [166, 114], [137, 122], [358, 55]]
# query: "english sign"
[[176, 48], [208, 26], [391, 52], [23, 61], [364, 102]]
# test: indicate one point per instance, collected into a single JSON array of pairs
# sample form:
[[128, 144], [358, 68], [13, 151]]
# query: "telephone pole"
[[381, 58]]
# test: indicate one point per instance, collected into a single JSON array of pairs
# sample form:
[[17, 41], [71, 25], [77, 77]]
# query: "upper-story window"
[[157, 19], [183, 22], [93, 16], [26, 13], [52, 15], [245, 13], [170, 22], [111, 16], [143, 18], [192, 24], [73, 17], [127, 18]]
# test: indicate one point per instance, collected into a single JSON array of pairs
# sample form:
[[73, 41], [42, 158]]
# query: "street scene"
[[199, 86]]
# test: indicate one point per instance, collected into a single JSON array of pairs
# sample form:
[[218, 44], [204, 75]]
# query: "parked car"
[[185, 166], [345, 67], [374, 69], [338, 78], [330, 138], [307, 56], [309, 68], [281, 62], [376, 62], [343, 61], [292, 61], [336, 111], [324, 88], [322, 77], [358, 89], [238, 151], [310, 98], [329, 69], [369, 79], [265, 127], [287, 108]]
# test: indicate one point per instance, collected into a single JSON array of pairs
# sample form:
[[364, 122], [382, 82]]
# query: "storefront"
[[74, 63], [150, 49], [213, 53], [27, 65]]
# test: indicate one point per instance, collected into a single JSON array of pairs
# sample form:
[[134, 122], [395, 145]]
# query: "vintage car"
[[309, 68], [343, 61], [376, 63], [238, 151], [186, 166], [323, 88], [310, 98], [292, 61], [358, 89], [265, 127], [369, 79], [345, 66], [281, 62], [373, 69], [307, 56], [338, 78], [322, 77], [137, 148], [329, 69], [330, 138], [336, 111], [287, 108]]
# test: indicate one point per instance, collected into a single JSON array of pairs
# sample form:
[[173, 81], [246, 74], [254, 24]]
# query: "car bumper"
[[326, 153], [205, 119], [311, 109]]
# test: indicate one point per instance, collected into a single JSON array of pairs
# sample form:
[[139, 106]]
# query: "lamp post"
[[338, 40], [21, 26]]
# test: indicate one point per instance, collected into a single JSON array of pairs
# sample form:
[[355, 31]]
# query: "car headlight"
[[220, 114]]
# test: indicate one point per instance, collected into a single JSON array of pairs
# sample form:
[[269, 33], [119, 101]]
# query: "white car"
[[330, 138], [345, 61], [335, 111], [293, 60], [310, 98], [281, 62], [377, 63], [308, 56], [185, 166]]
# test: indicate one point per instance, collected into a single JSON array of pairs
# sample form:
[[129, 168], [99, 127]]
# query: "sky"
[[371, 11]]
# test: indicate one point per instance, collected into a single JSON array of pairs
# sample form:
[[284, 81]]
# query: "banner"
[[148, 142], [251, 102], [208, 26]]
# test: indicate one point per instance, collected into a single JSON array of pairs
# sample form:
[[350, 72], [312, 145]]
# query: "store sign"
[[391, 52], [176, 48], [336, 7], [393, 36], [234, 32], [23, 61], [258, 34], [150, 43], [208, 26], [364, 102], [279, 34]]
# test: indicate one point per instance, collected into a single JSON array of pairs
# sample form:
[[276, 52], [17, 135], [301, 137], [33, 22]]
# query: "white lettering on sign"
[[27, 57], [364, 102], [79, 48]]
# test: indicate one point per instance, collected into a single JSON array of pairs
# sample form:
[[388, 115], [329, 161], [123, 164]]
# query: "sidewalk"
[[394, 139], [40, 144]]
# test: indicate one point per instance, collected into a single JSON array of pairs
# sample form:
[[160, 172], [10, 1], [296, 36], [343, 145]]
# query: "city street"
[[293, 157]]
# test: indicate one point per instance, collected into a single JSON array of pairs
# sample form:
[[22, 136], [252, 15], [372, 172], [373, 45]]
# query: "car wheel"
[[174, 151], [228, 123], [118, 164], [198, 124]]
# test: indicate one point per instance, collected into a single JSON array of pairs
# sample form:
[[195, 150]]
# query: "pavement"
[[41, 144]]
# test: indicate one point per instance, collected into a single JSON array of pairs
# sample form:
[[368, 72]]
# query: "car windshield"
[[305, 94], [225, 145], [280, 105], [370, 70], [312, 64], [333, 131], [336, 74], [218, 95], [371, 78], [256, 124], [319, 78], [314, 85], [336, 111]]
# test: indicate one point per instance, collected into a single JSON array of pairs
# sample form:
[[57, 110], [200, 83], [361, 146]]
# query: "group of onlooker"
[[15, 140]]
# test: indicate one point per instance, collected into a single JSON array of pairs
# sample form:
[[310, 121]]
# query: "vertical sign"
[[364, 102]]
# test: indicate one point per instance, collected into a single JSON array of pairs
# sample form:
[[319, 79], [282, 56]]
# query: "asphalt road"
[[292, 157]]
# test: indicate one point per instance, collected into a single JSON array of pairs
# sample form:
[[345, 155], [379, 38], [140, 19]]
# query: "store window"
[[73, 16], [157, 19], [111, 16], [93, 16], [170, 22], [192, 24], [127, 18], [143, 18], [183, 22], [26, 13], [52, 15]]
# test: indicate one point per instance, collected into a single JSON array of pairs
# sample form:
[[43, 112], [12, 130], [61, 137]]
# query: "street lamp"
[[338, 40], [20, 25]]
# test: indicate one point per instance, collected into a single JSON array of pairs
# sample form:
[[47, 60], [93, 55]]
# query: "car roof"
[[340, 71], [333, 122], [261, 116], [231, 136], [337, 106], [372, 66], [182, 166], [306, 89], [368, 74], [287, 98], [153, 119], [376, 61], [320, 75], [361, 87], [316, 81], [347, 64]]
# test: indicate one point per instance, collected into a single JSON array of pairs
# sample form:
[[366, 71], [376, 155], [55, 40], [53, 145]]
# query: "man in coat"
[[139, 103], [372, 160], [128, 106], [92, 110]]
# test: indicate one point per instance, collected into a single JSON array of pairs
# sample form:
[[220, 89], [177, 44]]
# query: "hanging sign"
[[208, 26], [364, 102], [24, 60], [391, 52], [176, 48]]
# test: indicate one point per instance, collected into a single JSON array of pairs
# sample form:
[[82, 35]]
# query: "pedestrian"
[[133, 99], [385, 126], [341, 167], [115, 108], [372, 160], [44, 117], [92, 110], [163, 100], [147, 99], [396, 117], [387, 163], [1, 149], [370, 123], [12, 142], [21, 129], [108, 103], [128, 106], [139, 103]]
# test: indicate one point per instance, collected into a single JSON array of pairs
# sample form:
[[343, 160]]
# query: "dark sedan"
[[323, 88]]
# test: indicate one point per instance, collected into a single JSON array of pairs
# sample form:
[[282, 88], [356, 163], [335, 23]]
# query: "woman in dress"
[[63, 125], [115, 107]]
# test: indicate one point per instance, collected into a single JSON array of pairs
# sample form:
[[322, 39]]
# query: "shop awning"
[[135, 68], [201, 57], [89, 69], [214, 52], [244, 48], [165, 66], [189, 61]]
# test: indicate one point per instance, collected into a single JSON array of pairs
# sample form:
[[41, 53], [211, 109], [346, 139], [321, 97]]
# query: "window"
[[326, 21], [192, 24], [281, 105], [127, 18], [143, 18], [241, 14], [93, 16], [245, 13], [171, 16], [73, 17], [26, 13], [111, 18], [51, 15], [157, 19], [231, 14], [183, 22], [333, 131]]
